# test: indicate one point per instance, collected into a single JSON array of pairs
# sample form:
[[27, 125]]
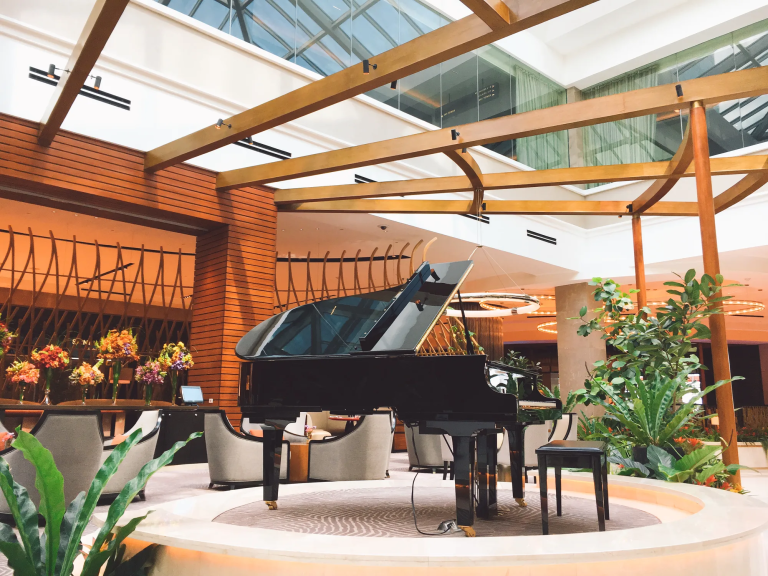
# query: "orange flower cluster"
[[50, 357], [87, 375], [5, 338], [23, 373], [118, 345], [175, 357]]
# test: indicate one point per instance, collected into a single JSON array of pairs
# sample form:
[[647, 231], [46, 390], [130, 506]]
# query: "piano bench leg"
[[445, 470]]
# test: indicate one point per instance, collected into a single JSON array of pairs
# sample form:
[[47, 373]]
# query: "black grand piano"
[[355, 354]]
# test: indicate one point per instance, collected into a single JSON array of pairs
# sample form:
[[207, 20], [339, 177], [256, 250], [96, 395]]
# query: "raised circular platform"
[[655, 527]]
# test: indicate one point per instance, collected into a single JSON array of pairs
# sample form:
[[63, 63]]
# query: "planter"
[[750, 454]]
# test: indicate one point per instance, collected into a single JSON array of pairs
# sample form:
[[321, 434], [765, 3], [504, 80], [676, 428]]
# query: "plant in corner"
[[53, 553]]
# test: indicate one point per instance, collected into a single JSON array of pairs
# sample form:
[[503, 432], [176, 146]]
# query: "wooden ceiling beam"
[[749, 184], [495, 13], [543, 207], [712, 89], [677, 167], [447, 42], [512, 180], [468, 165], [98, 28]]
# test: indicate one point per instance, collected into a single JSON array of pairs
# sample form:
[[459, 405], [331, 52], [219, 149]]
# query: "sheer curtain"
[[624, 141], [534, 92]]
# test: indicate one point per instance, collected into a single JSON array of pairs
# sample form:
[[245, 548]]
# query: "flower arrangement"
[[5, 339], [86, 375], [5, 440], [50, 358], [175, 358], [117, 347], [150, 374], [23, 374]]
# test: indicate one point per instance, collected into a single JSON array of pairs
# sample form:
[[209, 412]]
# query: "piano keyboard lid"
[[394, 320]]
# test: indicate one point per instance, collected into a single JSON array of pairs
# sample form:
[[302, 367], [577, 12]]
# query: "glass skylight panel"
[[268, 24], [213, 12]]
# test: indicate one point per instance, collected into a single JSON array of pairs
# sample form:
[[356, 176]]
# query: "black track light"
[[679, 90], [463, 150], [455, 134], [393, 85], [367, 66], [97, 82], [220, 123], [51, 71]]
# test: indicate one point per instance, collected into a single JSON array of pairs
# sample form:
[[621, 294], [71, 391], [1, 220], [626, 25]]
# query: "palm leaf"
[[12, 550], [50, 485], [24, 514], [684, 413]]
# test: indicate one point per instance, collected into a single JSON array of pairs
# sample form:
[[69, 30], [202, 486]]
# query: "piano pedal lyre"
[[521, 502], [469, 532], [271, 504]]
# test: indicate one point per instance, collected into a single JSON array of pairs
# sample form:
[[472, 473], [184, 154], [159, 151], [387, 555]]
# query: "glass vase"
[[48, 379], [148, 395], [116, 366], [21, 393], [85, 394], [174, 382]]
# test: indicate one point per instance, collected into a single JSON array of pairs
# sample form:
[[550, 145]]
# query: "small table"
[[574, 454]]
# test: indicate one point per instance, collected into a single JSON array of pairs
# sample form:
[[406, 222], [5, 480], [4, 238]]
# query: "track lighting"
[[455, 134], [51, 71], [679, 90], [367, 66], [463, 150], [220, 123], [96, 82], [393, 85]]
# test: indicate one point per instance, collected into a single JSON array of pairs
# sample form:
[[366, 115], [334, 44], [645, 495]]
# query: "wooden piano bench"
[[573, 454]]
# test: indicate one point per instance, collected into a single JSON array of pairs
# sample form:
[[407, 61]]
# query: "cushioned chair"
[[235, 459], [141, 453], [76, 443], [423, 449], [535, 437], [362, 454], [566, 428], [146, 422]]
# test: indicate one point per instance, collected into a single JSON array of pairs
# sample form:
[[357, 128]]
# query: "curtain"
[[624, 141], [534, 92]]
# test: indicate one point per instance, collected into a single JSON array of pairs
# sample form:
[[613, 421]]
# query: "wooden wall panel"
[[235, 262]]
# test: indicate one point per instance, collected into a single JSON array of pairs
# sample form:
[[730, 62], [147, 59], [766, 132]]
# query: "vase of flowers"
[[23, 374], [175, 358], [86, 375], [49, 359], [151, 374], [118, 347], [5, 339]]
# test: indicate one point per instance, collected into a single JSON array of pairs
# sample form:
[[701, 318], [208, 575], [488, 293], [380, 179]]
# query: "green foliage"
[[517, 360], [55, 553]]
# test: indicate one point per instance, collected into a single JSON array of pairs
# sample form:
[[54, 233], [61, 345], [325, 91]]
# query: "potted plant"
[[85, 376], [149, 375], [175, 358], [117, 348], [50, 358], [24, 374]]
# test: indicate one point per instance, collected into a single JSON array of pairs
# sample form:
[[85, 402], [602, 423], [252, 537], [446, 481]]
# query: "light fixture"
[[367, 67], [548, 327], [455, 134], [493, 305], [97, 83], [463, 150], [679, 90], [220, 123], [393, 85], [52, 71]]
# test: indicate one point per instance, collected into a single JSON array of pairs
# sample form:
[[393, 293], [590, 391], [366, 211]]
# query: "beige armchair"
[[423, 449]]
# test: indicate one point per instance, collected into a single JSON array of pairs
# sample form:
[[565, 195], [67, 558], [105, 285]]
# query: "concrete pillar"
[[576, 354], [575, 138]]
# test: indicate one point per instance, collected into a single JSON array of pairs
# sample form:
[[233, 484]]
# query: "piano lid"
[[335, 326]]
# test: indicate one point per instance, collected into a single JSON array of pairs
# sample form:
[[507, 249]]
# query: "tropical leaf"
[[710, 471], [697, 458], [134, 566], [631, 467], [660, 457], [24, 515], [50, 485], [68, 536], [12, 550], [95, 560]]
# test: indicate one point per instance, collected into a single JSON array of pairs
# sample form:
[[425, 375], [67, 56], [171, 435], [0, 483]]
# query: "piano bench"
[[573, 454]]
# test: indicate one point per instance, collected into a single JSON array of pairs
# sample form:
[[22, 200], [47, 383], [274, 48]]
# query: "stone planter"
[[750, 454]]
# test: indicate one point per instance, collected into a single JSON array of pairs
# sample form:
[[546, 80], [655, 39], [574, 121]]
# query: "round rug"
[[386, 513]]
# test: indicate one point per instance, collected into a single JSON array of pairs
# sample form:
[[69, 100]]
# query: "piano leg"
[[464, 461], [273, 449], [486, 472], [517, 458]]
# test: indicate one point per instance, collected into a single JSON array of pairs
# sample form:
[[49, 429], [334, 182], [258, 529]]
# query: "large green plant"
[[53, 553]]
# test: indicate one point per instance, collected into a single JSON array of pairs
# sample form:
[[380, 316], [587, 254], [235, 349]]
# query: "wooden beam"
[[447, 42], [466, 162], [495, 13], [510, 180], [637, 245], [97, 30], [743, 188], [676, 169], [712, 89], [541, 207]]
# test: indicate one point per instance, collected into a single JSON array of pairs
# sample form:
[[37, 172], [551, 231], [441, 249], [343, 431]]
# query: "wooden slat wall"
[[235, 263]]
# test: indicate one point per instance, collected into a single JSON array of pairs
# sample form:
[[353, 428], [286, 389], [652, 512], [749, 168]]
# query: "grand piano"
[[355, 354]]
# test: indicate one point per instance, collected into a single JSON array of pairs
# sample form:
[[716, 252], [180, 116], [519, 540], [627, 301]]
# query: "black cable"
[[413, 487]]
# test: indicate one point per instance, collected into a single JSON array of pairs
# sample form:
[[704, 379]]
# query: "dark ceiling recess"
[[250, 144], [362, 179], [87, 91], [482, 218], [542, 237]]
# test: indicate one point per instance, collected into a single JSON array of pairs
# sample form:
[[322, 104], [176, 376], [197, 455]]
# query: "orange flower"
[[726, 486], [710, 480]]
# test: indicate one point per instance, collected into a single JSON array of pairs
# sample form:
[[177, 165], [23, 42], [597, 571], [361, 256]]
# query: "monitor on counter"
[[191, 394]]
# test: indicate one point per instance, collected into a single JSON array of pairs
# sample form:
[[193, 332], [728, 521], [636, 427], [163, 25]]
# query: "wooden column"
[[720, 362], [637, 244]]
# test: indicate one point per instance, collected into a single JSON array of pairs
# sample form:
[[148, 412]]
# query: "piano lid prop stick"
[[470, 346]]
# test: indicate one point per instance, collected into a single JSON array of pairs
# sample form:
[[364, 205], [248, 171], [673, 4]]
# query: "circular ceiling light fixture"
[[493, 305]]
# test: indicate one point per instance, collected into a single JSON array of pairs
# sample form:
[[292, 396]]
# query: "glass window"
[[459, 90], [323, 35], [494, 86], [213, 12], [376, 29], [417, 19], [751, 50], [268, 24], [420, 95]]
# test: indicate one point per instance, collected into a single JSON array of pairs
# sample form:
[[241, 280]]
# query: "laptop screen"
[[192, 394]]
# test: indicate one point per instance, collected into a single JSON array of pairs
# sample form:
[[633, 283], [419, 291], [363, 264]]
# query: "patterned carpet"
[[386, 513]]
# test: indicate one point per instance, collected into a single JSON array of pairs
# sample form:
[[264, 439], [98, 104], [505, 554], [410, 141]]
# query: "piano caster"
[[469, 532], [521, 502], [271, 504]]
